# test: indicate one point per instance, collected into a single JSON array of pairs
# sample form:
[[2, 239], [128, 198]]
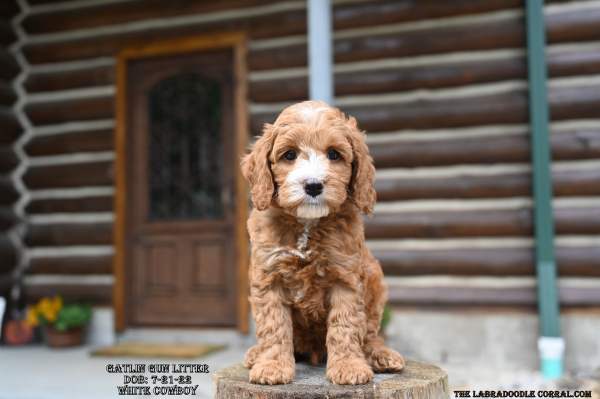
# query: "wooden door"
[[181, 241]]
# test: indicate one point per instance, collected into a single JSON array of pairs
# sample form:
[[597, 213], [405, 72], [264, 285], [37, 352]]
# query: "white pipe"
[[320, 55]]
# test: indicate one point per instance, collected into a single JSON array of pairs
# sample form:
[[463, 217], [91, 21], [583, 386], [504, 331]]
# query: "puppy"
[[315, 287]]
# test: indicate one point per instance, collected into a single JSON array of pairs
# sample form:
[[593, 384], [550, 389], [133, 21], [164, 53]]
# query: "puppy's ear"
[[361, 188], [257, 170]]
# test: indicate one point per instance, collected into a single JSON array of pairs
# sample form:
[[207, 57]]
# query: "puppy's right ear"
[[256, 169]]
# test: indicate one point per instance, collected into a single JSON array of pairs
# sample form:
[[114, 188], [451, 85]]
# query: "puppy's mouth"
[[313, 204]]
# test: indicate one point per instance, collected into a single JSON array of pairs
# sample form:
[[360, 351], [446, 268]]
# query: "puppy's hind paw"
[[383, 358], [272, 372], [251, 356]]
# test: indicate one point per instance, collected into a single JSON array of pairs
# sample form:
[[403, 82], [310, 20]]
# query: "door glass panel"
[[186, 158]]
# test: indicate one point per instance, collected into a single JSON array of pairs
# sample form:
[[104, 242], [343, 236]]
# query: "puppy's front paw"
[[349, 372], [272, 372], [251, 356], [382, 358]]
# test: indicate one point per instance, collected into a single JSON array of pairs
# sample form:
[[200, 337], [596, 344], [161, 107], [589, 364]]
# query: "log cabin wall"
[[10, 130], [440, 87]]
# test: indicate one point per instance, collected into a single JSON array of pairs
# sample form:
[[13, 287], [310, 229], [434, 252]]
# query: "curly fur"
[[315, 287]]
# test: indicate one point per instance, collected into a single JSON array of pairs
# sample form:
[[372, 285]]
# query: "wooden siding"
[[428, 105], [10, 130]]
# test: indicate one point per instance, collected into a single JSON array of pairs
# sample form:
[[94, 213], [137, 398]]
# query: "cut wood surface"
[[418, 381], [8, 254], [572, 145], [71, 265], [7, 94], [97, 294], [7, 218], [11, 129], [71, 205], [69, 175], [8, 8], [7, 35], [8, 159], [88, 141], [9, 68], [575, 183], [572, 262], [8, 193], [488, 223], [46, 235]]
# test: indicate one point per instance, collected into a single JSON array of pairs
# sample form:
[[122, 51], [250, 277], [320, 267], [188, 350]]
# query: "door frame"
[[237, 42]]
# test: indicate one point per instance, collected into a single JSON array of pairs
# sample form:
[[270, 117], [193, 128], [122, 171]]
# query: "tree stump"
[[418, 381]]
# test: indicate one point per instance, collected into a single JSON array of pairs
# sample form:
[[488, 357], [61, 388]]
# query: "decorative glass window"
[[186, 157]]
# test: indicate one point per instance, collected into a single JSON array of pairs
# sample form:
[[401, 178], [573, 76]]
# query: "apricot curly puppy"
[[315, 287]]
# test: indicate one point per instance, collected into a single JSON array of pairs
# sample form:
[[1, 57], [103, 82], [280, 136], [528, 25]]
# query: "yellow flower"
[[48, 308], [50, 315], [57, 303], [32, 316]]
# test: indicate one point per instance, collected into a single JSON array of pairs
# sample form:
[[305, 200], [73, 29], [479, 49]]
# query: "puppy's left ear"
[[256, 169], [361, 188]]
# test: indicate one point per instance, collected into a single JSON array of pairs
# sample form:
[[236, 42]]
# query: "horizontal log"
[[7, 218], [70, 175], [67, 143], [571, 145], [505, 108], [486, 296], [9, 68], [7, 94], [70, 205], [44, 235], [8, 193], [84, 109], [492, 223], [64, 80], [71, 265], [564, 27], [11, 128], [376, 81], [575, 26], [118, 13], [571, 262], [425, 77], [575, 183], [96, 294], [344, 16], [8, 255], [8, 159], [8, 9]]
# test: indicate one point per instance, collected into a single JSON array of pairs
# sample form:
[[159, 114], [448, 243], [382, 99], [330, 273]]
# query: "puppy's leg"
[[275, 362], [346, 362], [251, 356], [379, 356]]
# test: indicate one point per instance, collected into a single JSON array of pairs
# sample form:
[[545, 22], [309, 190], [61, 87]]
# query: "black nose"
[[313, 187]]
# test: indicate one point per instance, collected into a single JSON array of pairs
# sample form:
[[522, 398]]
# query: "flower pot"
[[64, 339]]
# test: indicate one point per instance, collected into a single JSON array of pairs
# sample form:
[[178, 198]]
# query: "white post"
[[320, 55]]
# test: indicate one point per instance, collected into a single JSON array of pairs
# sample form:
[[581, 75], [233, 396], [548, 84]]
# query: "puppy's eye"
[[290, 155], [333, 155]]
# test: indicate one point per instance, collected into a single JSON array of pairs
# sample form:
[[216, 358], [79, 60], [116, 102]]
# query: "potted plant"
[[64, 323], [386, 316]]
